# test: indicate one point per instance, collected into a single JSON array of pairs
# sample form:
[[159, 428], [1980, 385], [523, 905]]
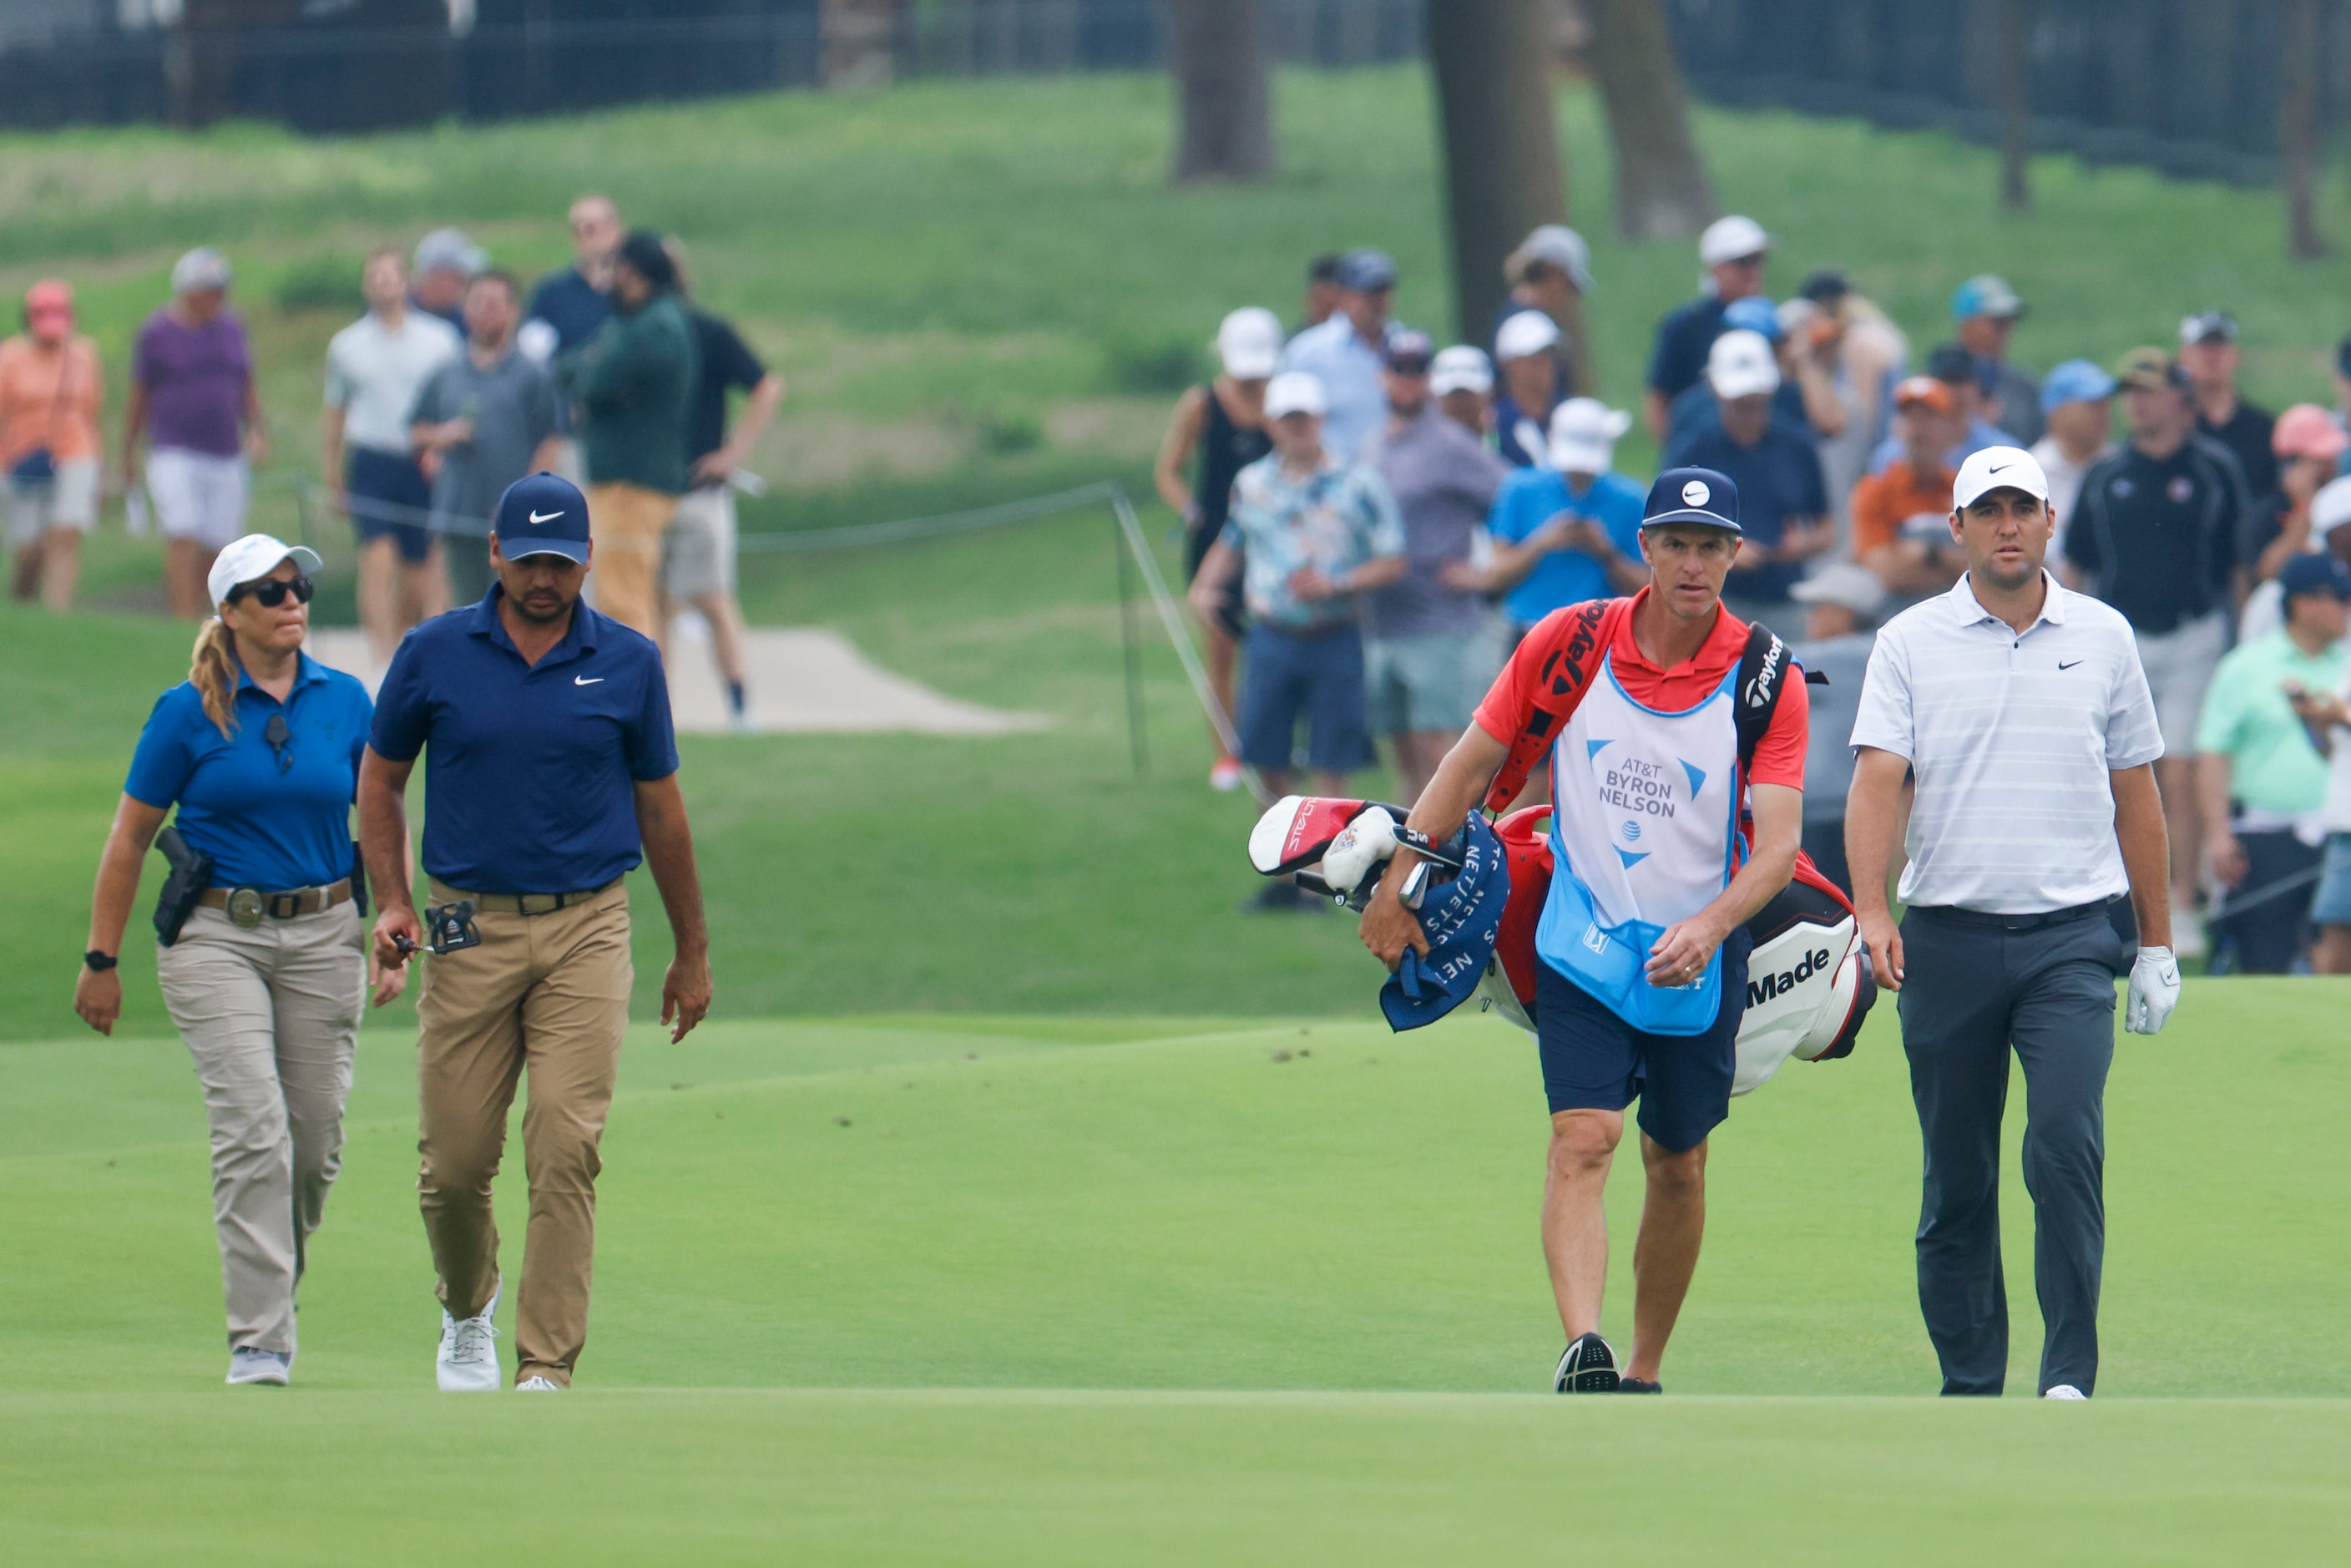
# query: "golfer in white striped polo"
[[2020, 708]]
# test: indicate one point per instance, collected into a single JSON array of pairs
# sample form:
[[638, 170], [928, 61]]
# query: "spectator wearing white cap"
[[1844, 602], [1806, 399], [1461, 380], [1222, 423], [1531, 385], [1732, 250], [1568, 529], [1783, 499], [2261, 780], [2019, 709], [2077, 400], [1348, 352], [195, 400], [1429, 651], [1551, 272], [261, 966], [446, 261], [1308, 534], [2209, 354], [1984, 314]]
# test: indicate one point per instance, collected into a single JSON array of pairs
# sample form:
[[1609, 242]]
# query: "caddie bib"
[[1643, 833]]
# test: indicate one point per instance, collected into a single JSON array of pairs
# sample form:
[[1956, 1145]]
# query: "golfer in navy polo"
[[551, 771]]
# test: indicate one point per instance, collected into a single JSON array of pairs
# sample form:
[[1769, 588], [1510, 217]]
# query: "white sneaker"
[[469, 1353], [538, 1386], [247, 1363], [2065, 1391]]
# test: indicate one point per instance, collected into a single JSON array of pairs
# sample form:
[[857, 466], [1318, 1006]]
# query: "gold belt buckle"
[[245, 907]]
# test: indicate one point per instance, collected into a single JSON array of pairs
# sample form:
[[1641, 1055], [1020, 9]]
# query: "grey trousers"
[[271, 1017], [1970, 992]]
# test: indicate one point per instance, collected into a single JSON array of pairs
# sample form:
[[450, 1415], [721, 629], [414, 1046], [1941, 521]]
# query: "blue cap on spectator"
[[543, 514], [1367, 271], [1754, 314], [1697, 495], [2316, 572], [1986, 295], [2076, 380]]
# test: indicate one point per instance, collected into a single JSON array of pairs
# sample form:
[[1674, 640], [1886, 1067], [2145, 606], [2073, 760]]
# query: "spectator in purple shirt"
[[193, 396]]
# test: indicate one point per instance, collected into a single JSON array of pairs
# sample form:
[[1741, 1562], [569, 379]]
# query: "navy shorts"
[[1318, 677], [1595, 1061], [388, 498]]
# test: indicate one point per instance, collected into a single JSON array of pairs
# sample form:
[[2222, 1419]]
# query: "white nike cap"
[[1294, 391], [1999, 468], [253, 558], [1249, 343]]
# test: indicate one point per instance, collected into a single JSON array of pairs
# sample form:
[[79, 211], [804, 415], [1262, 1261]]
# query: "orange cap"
[[1926, 390]]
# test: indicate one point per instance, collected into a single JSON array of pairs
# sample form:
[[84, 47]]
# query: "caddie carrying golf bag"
[[1809, 981]]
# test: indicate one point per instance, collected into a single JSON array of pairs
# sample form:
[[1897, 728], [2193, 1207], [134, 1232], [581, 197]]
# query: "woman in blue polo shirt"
[[259, 748]]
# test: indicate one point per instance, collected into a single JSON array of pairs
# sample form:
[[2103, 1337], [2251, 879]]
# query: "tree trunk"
[[1501, 155], [2300, 140], [2012, 94], [1224, 115], [1662, 191], [857, 42]]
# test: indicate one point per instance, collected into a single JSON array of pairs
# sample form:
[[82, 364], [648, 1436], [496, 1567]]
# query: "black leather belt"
[[529, 903], [1986, 921]]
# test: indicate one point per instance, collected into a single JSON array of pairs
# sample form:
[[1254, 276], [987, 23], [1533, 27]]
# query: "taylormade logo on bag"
[[1764, 987]]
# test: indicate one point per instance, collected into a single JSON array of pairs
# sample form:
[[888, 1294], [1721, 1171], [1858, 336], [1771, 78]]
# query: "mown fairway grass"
[[998, 1290]]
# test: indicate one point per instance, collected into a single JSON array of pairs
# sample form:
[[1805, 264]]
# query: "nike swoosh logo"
[[2063, 665], [2001, 469], [585, 680], [548, 519]]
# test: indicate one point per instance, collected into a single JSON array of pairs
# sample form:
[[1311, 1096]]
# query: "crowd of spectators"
[[1375, 519], [451, 386]]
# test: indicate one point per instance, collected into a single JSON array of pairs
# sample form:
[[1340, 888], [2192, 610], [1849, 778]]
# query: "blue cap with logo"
[[2314, 573], [1755, 314], [542, 514], [1697, 495]]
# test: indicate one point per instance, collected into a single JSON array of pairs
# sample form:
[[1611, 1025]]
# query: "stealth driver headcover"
[[1462, 919]]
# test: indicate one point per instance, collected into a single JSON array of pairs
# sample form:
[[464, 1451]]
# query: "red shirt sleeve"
[[1511, 701], [1780, 755]]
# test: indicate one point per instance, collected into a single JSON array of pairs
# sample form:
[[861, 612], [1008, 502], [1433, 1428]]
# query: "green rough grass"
[[1029, 1289]]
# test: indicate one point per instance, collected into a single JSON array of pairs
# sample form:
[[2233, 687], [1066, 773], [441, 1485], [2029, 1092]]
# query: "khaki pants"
[[627, 522], [549, 993], [271, 1017]]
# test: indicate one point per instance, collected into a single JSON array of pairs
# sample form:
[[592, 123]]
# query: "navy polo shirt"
[[530, 770], [1778, 479], [575, 308], [1677, 359], [266, 825]]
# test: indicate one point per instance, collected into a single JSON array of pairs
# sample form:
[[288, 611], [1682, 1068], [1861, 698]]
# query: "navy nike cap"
[[543, 514], [1697, 495]]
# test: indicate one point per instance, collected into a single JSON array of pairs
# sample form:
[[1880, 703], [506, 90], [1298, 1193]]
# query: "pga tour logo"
[[1595, 938]]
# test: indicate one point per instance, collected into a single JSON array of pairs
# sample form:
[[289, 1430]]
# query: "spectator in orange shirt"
[[50, 392], [1899, 513]]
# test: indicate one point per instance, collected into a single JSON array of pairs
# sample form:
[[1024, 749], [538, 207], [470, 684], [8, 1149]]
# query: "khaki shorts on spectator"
[[698, 552], [1417, 684], [197, 496], [2179, 666], [68, 501]]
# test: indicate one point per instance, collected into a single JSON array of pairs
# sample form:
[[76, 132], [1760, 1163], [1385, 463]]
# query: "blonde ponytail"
[[213, 671]]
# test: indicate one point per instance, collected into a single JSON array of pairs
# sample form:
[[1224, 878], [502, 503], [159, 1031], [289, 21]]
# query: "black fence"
[[527, 59], [2188, 86]]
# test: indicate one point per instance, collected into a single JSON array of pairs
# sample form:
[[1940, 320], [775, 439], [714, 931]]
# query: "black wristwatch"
[[98, 962]]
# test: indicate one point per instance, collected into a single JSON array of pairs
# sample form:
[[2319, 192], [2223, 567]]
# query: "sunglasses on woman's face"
[[269, 595]]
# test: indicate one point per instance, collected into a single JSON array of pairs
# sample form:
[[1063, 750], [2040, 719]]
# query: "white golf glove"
[[2154, 991]]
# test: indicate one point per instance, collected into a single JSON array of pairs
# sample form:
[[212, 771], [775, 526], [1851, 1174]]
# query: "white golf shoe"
[[538, 1386], [247, 1363], [2065, 1391], [469, 1353]]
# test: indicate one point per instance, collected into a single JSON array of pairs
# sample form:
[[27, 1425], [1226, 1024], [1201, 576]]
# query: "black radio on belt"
[[448, 928]]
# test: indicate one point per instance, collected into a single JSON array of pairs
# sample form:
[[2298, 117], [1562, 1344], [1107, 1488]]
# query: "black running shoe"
[[1638, 1386], [1588, 1366]]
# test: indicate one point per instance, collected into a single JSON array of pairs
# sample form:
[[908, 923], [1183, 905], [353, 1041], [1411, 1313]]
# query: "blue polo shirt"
[[1529, 499], [1778, 479], [1677, 359], [530, 770], [266, 825]]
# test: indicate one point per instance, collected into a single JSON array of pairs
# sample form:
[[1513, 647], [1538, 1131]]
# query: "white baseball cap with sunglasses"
[[253, 558]]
